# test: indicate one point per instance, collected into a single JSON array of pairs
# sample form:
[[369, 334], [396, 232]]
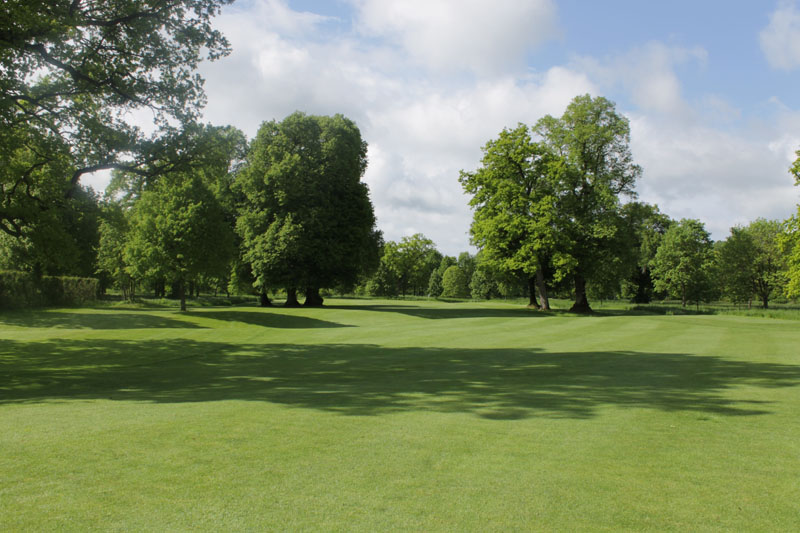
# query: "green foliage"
[[789, 243], [71, 74], [644, 227], [178, 232], [23, 289], [684, 263], [61, 241], [751, 263], [411, 263], [594, 168], [554, 204], [455, 283], [435, 282], [307, 220], [114, 229], [482, 286], [514, 202]]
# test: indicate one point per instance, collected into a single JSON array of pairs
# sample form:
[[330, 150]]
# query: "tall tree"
[[515, 207], [591, 141], [684, 262], [307, 221], [70, 74]]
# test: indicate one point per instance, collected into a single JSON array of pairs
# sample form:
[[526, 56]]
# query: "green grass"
[[382, 415]]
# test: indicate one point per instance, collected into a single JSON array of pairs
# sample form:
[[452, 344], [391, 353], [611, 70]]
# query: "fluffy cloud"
[[484, 37], [647, 73], [780, 40]]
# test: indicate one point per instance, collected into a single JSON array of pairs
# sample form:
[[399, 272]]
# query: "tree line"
[[555, 210], [195, 206]]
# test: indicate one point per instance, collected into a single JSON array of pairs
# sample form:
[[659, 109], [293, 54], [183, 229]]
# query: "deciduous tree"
[[595, 168], [684, 262], [307, 221]]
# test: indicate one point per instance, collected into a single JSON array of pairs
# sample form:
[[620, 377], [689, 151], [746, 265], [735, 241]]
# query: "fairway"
[[376, 415]]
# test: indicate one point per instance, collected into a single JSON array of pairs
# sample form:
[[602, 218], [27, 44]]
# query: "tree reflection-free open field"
[[377, 415]]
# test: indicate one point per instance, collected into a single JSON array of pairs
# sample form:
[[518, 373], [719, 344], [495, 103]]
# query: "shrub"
[[22, 289]]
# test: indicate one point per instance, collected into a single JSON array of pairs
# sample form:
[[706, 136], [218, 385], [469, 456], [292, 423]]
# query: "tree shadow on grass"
[[266, 318], [456, 311], [370, 380], [93, 320]]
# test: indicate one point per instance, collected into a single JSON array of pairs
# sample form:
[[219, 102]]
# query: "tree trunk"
[[540, 285], [291, 298], [265, 301], [683, 295], [182, 295], [532, 302], [581, 304], [313, 299], [765, 300]]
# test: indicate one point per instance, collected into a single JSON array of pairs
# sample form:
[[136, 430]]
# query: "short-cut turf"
[[382, 415]]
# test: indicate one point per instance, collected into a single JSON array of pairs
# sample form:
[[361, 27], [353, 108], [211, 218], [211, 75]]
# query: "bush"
[[22, 289]]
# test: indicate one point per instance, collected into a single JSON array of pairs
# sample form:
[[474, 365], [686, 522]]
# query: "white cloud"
[[719, 177], [450, 35], [780, 40], [647, 73]]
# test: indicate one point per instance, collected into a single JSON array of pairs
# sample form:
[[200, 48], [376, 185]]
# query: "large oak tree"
[[307, 221]]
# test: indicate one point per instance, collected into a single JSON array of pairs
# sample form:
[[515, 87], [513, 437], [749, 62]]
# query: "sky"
[[710, 88]]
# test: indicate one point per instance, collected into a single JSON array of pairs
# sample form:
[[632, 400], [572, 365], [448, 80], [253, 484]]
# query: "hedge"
[[22, 289]]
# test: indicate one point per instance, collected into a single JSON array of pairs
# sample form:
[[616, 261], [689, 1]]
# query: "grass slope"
[[377, 415]]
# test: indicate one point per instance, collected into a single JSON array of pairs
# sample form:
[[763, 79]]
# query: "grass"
[[383, 415]]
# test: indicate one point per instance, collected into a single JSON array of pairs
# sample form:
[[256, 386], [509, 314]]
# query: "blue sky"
[[710, 88]]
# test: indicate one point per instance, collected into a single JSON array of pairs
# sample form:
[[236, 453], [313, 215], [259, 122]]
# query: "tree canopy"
[[307, 221], [684, 261], [71, 72]]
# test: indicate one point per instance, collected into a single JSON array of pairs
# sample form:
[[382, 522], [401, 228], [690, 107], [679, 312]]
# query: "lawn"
[[397, 415]]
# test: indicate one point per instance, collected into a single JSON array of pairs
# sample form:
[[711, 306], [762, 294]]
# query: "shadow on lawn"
[[370, 380], [79, 320], [456, 311], [267, 318]]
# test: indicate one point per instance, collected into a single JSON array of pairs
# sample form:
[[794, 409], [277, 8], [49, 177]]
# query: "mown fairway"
[[381, 415]]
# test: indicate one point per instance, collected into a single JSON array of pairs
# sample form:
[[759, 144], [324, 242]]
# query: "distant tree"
[[735, 257], [684, 262], [178, 232], [114, 228], [751, 262], [789, 243], [455, 283], [72, 71], [645, 227], [411, 262], [435, 281], [482, 286], [307, 221]]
